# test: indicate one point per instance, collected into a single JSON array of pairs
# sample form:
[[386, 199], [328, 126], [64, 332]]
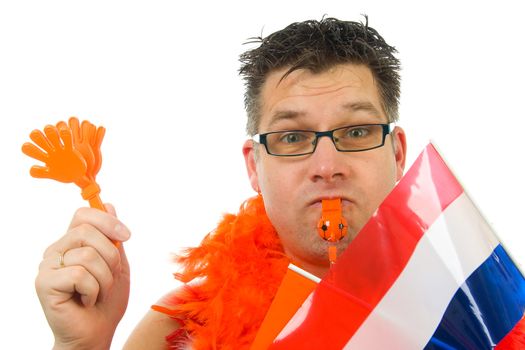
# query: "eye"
[[358, 132], [292, 137]]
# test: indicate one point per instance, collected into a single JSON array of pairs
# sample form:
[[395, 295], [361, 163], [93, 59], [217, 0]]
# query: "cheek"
[[277, 180], [279, 188], [381, 181]]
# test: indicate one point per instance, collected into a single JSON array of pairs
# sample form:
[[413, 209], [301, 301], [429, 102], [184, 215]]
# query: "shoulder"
[[151, 331]]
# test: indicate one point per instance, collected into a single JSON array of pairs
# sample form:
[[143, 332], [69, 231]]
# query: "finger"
[[65, 135], [112, 227], [85, 131], [101, 131], [89, 259], [34, 152], [40, 172], [52, 135], [74, 279], [92, 130], [61, 124], [75, 130], [82, 236], [40, 139], [97, 142]]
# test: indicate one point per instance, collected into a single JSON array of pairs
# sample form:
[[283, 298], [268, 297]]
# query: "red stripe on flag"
[[376, 257], [515, 339], [330, 332]]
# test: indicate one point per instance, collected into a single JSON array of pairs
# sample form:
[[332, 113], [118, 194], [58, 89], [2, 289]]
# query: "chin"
[[318, 253], [312, 249]]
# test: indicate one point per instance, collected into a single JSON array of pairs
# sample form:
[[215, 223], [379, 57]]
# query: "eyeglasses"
[[352, 138]]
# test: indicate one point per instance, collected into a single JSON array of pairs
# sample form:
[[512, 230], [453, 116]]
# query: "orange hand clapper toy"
[[332, 226], [71, 153]]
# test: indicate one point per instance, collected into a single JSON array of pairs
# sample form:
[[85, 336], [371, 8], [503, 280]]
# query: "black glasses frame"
[[262, 138]]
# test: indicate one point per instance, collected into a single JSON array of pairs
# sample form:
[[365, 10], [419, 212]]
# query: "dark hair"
[[318, 46]]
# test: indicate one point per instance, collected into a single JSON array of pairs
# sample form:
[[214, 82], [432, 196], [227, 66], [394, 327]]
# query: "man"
[[320, 99]]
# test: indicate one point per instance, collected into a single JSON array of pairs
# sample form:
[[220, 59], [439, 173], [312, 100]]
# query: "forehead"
[[339, 90]]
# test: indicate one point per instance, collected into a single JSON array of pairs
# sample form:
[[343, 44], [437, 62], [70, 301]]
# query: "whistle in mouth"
[[332, 226]]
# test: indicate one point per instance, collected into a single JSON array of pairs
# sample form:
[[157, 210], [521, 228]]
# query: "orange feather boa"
[[229, 282]]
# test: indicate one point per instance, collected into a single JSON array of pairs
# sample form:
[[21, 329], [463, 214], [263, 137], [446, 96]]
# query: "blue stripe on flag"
[[485, 308]]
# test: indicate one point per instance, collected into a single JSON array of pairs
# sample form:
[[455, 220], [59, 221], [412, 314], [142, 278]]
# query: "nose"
[[327, 163]]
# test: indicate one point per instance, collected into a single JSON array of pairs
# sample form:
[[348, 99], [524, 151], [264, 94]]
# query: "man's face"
[[293, 187]]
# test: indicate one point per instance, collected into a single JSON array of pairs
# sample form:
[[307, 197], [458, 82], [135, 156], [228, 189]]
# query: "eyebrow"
[[362, 106], [352, 106], [286, 114]]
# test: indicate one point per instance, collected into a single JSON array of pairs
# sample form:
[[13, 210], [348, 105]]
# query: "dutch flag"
[[425, 272]]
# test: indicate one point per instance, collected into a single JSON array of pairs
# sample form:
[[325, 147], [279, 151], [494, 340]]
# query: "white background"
[[161, 76]]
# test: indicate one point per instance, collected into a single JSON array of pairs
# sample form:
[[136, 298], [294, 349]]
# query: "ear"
[[249, 159], [400, 150]]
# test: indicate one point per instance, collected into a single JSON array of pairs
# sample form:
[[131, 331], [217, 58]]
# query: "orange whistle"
[[70, 153], [332, 226]]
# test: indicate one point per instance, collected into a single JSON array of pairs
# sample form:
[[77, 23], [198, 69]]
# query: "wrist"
[[80, 346]]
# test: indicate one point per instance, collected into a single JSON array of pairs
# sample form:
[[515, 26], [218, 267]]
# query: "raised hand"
[[71, 153], [62, 161], [83, 281]]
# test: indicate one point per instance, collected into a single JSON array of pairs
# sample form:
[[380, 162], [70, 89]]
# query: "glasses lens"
[[290, 142], [358, 137]]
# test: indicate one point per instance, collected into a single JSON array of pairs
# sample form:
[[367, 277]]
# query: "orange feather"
[[230, 281]]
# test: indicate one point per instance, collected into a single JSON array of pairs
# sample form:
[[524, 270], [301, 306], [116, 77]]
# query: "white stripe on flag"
[[453, 247], [297, 319]]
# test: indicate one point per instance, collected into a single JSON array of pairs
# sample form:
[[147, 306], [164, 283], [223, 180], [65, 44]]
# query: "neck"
[[315, 269]]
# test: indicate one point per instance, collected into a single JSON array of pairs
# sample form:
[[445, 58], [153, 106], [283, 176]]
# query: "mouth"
[[317, 202]]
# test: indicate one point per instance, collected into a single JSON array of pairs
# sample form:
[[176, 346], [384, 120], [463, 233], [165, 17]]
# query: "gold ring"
[[61, 260]]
